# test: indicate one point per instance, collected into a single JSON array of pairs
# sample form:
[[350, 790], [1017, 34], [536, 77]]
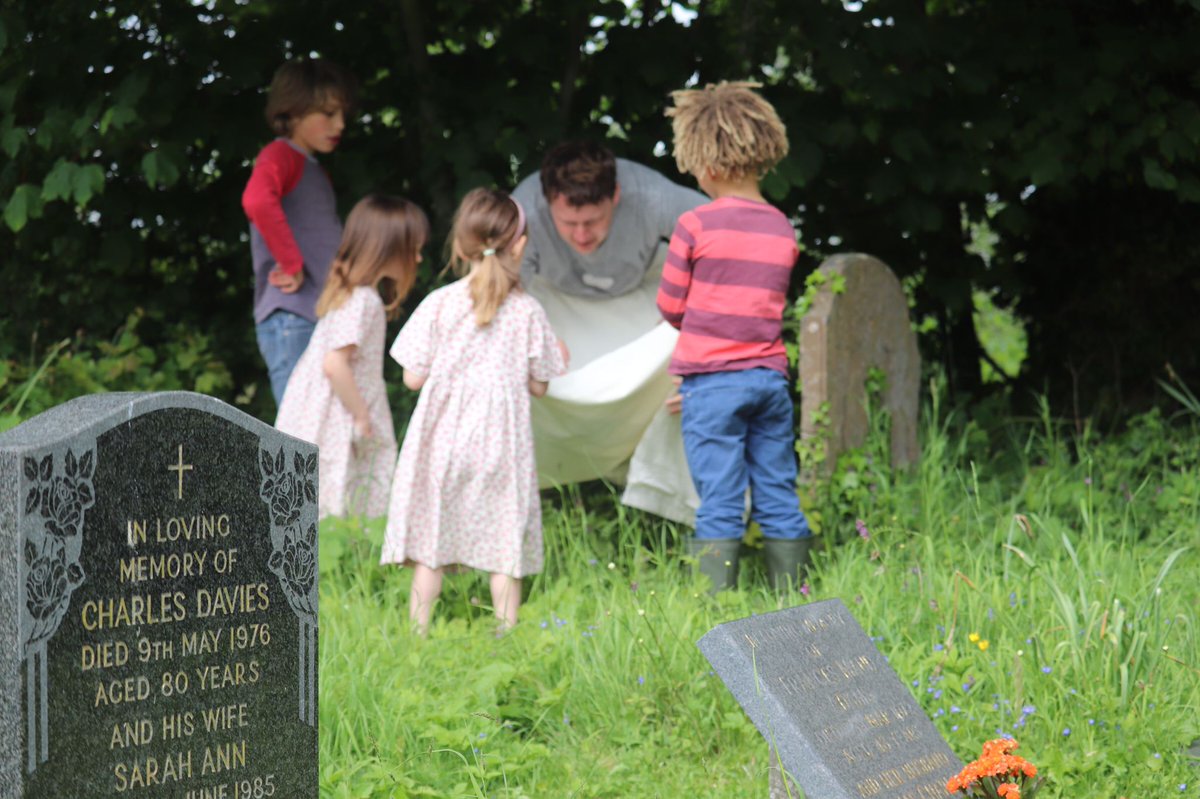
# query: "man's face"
[[584, 227]]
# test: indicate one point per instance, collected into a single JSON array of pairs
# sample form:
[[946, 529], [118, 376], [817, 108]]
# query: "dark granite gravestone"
[[158, 603], [837, 717]]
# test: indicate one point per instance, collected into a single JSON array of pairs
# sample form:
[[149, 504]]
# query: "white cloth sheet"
[[605, 418]]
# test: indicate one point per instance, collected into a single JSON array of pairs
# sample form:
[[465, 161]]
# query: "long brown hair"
[[380, 246], [486, 226]]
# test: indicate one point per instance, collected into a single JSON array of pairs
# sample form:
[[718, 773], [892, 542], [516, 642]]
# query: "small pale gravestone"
[[836, 716], [158, 603], [842, 337]]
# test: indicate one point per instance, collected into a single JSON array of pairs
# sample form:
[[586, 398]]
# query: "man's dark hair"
[[584, 172]]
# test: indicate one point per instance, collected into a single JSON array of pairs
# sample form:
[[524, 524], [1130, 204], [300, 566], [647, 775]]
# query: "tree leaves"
[[160, 168], [25, 203]]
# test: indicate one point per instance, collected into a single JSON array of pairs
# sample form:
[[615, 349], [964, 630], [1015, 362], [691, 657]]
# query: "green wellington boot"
[[717, 560], [787, 560]]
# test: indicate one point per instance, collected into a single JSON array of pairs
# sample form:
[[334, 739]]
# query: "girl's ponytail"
[[486, 227]]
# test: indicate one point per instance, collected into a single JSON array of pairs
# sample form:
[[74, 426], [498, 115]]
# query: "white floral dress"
[[354, 476], [465, 490]]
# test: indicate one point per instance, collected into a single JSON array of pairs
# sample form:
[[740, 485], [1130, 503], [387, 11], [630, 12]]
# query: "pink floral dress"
[[354, 476], [465, 490]]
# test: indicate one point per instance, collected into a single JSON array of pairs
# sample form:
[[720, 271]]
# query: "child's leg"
[[506, 598], [714, 440], [282, 338], [426, 586], [771, 462]]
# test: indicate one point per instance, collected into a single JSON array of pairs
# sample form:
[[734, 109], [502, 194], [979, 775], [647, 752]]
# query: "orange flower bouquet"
[[997, 774]]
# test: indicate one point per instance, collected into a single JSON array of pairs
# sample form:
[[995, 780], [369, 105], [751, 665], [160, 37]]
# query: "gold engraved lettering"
[[928, 764], [868, 787], [852, 754], [131, 733], [178, 725], [224, 757], [135, 532], [152, 771], [851, 699]]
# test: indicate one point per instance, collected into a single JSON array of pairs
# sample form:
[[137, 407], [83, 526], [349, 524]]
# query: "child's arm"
[[677, 271], [340, 371], [538, 387], [413, 380], [277, 170]]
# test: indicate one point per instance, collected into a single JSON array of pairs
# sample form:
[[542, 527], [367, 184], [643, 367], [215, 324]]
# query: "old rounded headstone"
[[843, 336]]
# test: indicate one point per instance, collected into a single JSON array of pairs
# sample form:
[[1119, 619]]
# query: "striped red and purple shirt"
[[724, 285]]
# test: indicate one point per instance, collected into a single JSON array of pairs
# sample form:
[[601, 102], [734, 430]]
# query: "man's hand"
[[288, 284], [674, 402]]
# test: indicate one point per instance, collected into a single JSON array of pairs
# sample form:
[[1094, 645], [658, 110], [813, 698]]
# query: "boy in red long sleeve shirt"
[[724, 285], [294, 225]]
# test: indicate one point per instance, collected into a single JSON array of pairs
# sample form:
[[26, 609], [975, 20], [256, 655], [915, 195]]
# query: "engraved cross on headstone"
[[181, 468]]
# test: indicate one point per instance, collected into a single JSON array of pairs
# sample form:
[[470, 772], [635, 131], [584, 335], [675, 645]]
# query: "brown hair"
[[728, 128], [380, 245], [582, 171], [486, 226], [305, 85]]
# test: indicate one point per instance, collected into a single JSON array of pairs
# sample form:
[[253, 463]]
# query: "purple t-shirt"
[[289, 179]]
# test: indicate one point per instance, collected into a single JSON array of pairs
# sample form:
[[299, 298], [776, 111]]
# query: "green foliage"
[[74, 367], [126, 151]]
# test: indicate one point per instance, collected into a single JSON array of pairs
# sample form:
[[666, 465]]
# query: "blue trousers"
[[282, 338], [737, 433]]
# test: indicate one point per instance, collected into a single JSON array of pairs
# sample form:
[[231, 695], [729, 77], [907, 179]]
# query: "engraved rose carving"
[[63, 503], [296, 564], [286, 490], [49, 579]]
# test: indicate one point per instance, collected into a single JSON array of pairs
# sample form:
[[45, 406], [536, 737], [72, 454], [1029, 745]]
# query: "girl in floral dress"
[[336, 397], [465, 491]]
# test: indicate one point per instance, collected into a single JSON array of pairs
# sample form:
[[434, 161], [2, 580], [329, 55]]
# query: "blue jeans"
[[737, 433], [282, 337]]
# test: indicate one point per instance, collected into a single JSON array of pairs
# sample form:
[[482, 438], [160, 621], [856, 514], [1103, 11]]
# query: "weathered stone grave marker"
[[842, 337], [834, 712], [158, 603]]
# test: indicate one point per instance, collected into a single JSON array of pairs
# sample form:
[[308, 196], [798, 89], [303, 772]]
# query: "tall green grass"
[[1026, 580]]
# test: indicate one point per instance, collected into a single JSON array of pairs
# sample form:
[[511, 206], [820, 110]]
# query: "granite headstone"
[[158, 603], [837, 718], [842, 337]]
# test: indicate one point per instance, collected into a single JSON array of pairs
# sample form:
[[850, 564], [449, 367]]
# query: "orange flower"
[[1009, 790]]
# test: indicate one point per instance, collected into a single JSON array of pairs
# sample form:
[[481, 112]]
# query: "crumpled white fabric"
[[605, 418]]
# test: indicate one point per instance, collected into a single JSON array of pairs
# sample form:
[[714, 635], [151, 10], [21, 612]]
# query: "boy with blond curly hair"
[[724, 286]]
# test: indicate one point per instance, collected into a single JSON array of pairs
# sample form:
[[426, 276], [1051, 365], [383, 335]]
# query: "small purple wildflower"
[[641, 680], [1046, 669], [861, 527], [1066, 731], [938, 647], [804, 589], [1087, 481]]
